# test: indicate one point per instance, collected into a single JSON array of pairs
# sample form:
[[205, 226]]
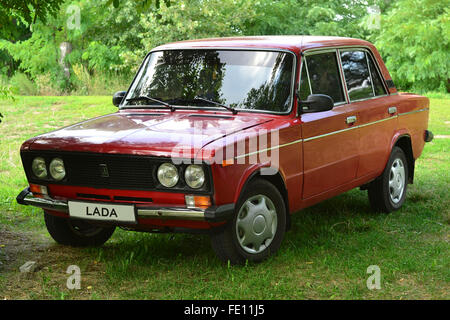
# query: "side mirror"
[[118, 97], [316, 103]]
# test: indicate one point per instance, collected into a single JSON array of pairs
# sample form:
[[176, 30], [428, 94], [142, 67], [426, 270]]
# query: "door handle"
[[392, 110], [351, 119]]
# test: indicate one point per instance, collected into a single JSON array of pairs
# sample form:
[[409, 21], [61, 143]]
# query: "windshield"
[[252, 80]]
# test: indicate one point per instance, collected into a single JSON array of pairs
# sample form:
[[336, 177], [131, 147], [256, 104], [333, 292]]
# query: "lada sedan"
[[230, 137]]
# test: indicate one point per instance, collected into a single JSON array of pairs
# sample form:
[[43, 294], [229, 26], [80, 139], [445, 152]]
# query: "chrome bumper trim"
[[48, 204], [157, 213], [172, 213]]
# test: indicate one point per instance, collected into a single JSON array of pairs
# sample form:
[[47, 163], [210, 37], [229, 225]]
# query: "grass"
[[324, 256]]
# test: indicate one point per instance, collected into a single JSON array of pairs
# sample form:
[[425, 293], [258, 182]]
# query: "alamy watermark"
[[74, 280], [374, 18], [74, 17], [374, 280]]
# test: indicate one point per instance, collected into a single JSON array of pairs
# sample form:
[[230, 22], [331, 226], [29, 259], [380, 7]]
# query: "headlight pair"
[[56, 168], [193, 175]]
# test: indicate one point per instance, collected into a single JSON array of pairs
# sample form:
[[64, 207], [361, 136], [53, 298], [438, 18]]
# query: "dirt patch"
[[48, 280], [17, 248]]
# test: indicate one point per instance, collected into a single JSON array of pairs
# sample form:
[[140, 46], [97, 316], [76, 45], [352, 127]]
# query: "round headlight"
[[194, 176], [39, 168], [57, 170], [168, 175]]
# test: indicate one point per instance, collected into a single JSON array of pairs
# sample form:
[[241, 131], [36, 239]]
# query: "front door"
[[330, 138]]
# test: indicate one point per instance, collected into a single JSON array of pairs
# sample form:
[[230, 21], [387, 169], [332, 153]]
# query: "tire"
[[257, 228], [388, 192], [76, 233]]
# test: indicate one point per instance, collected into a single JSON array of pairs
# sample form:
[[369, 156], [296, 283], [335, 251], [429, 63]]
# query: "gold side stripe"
[[267, 149], [329, 133], [378, 121]]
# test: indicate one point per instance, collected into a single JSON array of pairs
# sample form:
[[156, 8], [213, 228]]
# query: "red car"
[[229, 137]]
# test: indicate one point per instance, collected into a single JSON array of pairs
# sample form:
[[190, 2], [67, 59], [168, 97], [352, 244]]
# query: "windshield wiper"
[[144, 97], [217, 104]]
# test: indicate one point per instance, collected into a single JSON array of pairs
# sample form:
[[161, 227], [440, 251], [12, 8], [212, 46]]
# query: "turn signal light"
[[198, 202], [38, 190]]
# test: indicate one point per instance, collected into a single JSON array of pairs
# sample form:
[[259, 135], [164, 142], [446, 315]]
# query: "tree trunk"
[[65, 48]]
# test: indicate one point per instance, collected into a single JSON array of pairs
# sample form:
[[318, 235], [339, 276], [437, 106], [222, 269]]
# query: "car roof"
[[292, 43]]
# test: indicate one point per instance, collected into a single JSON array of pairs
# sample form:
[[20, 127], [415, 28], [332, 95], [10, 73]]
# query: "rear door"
[[376, 112], [330, 138]]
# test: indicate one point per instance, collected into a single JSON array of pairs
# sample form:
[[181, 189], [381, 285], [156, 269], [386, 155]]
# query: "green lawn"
[[324, 256]]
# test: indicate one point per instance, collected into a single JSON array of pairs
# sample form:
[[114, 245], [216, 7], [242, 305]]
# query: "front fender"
[[253, 171]]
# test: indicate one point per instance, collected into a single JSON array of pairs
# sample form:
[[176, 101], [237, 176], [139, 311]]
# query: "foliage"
[[39, 54], [195, 19], [99, 56], [36, 55], [5, 92], [22, 85], [26, 11], [14, 15], [415, 42], [318, 17], [114, 35]]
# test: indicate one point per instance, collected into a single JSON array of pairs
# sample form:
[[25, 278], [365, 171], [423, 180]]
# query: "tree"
[[414, 41], [12, 12]]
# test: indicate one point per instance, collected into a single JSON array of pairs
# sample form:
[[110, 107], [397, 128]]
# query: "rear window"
[[377, 82]]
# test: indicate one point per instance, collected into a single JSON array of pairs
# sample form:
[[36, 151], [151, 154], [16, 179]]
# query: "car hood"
[[145, 133]]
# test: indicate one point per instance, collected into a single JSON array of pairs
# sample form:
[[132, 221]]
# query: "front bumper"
[[211, 214]]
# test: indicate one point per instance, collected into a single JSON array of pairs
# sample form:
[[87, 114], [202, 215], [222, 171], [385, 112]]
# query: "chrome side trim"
[[267, 149], [415, 111], [377, 121], [330, 133]]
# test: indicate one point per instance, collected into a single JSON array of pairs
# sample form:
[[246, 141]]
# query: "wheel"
[[77, 233], [258, 226], [388, 192]]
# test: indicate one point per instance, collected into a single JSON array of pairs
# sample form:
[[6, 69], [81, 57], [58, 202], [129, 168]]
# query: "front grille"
[[113, 171], [122, 172]]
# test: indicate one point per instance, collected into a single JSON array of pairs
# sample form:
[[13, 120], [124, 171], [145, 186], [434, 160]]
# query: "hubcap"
[[256, 224], [397, 181]]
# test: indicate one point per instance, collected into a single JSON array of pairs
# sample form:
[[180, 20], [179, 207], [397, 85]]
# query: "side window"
[[357, 75], [324, 75], [377, 82], [305, 90]]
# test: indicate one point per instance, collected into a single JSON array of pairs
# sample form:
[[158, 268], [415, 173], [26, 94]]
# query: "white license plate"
[[102, 211]]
